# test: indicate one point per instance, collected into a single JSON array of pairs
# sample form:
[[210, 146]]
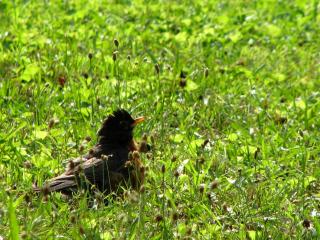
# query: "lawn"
[[230, 92]]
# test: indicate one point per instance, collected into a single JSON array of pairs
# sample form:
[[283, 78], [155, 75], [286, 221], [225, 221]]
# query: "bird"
[[112, 163]]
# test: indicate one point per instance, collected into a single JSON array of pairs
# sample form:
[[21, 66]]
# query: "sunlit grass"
[[230, 93]]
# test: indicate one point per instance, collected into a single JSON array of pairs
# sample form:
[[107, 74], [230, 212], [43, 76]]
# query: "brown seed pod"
[[176, 174], [183, 83], [157, 68], [159, 218], [51, 123], [206, 72], [81, 230], [175, 216], [143, 147], [214, 184], [114, 55], [116, 42], [163, 168], [81, 148], [201, 188], [135, 155], [27, 164], [306, 223]]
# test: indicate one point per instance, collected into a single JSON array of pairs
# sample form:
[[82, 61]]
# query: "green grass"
[[252, 94]]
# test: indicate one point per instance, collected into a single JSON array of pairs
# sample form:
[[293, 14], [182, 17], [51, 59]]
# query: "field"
[[230, 92]]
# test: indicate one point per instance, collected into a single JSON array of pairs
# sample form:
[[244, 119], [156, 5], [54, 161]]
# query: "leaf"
[[273, 30], [252, 235], [13, 223], [39, 134], [196, 143], [178, 138], [181, 37], [30, 71], [233, 137], [279, 76], [14, 131], [300, 103], [105, 236], [85, 112], [191, 86], [248, 149], [235, 36]]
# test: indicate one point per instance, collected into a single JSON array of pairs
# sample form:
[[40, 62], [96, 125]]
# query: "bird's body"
[[109, 165]]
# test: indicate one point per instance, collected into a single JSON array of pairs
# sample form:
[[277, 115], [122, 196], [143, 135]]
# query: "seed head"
[[135, 155], [116, 42], [85, 75], [214, 184], [157, 68], [81, 230], [206, 72], [81, 148], [256, 153], [174, 158], [27, 164], [163, 169], [176, 174], [88, 138], [27, 198], [144, 137], [205, 142], [183, 82], [159, 218], [73, 219], [183, 75], [175, 216], [201, 188], [201, 160], [90, 56], [62, 81], [114, 55], [51, 123], [306, 223], [129, 57], [143, 147]]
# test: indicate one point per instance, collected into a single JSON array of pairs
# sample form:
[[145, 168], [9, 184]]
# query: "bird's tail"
[[64, 183]]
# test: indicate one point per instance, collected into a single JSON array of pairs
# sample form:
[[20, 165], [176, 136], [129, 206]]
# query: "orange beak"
[[137, 121]]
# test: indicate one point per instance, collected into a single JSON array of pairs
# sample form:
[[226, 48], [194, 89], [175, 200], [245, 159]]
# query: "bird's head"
[[117, 128]]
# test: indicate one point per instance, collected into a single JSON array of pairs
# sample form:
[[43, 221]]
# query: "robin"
[[113, 162]]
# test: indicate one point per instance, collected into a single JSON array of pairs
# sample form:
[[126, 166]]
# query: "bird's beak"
[[137, 121]]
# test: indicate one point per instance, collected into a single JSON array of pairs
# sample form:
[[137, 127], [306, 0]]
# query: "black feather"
[[117, 128]]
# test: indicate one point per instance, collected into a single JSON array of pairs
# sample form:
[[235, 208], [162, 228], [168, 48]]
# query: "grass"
[[235, 142]]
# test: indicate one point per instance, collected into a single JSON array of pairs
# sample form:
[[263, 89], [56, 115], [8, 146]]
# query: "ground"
[[230, 92]]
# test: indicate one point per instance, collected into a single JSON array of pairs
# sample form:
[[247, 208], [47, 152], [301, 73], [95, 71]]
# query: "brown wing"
[[104, 173]]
